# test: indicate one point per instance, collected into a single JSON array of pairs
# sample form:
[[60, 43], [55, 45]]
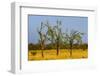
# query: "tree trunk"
[[42, 49], [42, 53], [70, 48], [70, 52], [57, 47]]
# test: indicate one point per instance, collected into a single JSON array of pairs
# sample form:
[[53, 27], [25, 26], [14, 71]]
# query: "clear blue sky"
[[68, 22]]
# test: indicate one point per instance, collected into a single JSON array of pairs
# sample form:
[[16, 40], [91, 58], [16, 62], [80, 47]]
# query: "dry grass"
[[51, 54]]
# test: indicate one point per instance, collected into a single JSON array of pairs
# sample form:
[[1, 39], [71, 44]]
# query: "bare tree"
[[42, 38]]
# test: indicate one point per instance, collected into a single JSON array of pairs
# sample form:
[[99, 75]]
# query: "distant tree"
[[30, 46], [84, 46]]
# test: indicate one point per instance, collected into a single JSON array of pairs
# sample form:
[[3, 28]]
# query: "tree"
[[55, 34], [71, 38], [50, 33], [42, 38]]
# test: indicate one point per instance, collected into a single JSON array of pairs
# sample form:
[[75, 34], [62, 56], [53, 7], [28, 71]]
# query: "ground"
[[51, 54]]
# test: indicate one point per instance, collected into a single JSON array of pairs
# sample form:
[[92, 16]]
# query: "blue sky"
[[68, 23]]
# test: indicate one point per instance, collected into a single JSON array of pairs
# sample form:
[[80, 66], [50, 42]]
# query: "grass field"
[[51, 54]]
